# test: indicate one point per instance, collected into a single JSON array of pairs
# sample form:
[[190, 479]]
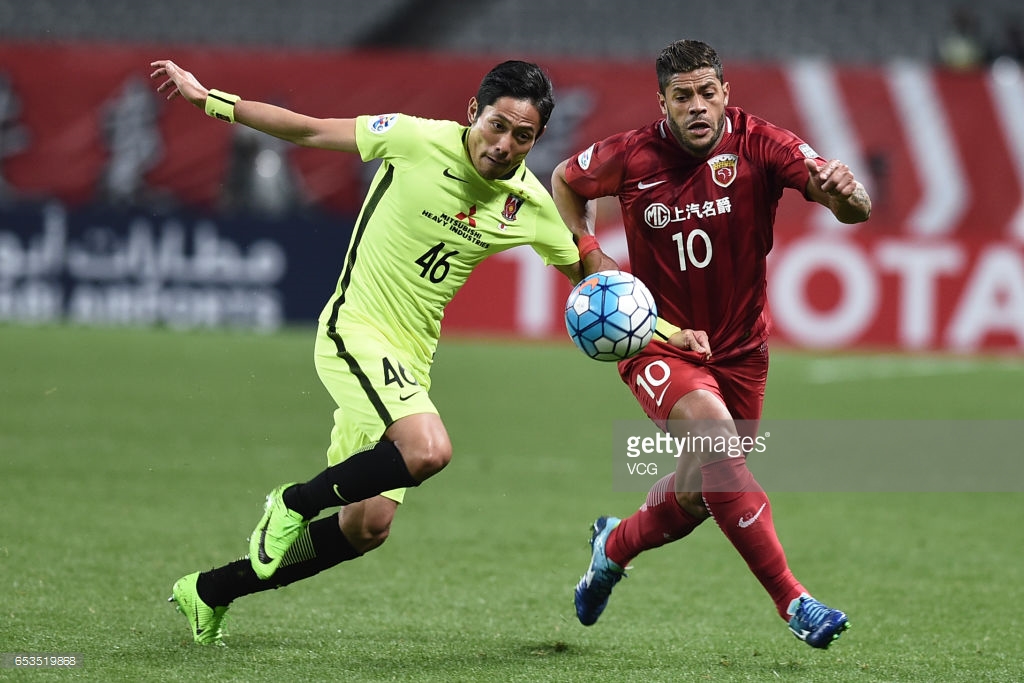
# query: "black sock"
[[321, 546], [363, 475]]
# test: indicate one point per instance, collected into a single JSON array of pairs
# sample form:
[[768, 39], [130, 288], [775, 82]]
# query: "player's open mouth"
[[699, 127]]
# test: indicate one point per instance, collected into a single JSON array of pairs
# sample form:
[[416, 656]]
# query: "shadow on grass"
[[554, 648]]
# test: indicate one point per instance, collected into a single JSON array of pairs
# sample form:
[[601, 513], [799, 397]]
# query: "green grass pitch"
[[131, 457]]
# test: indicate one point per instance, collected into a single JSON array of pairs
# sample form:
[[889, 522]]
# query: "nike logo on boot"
[[262, 554]]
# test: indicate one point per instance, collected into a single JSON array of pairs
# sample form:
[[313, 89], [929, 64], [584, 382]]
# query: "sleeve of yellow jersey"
[[554, 242], [383, 135]]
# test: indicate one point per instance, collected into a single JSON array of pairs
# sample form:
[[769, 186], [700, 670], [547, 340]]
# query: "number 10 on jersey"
[[685, 247]]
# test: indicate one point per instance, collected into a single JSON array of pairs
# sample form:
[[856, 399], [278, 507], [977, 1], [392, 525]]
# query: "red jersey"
[[699, 230]]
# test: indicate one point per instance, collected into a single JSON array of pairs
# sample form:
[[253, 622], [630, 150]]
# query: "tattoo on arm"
[[853, 209], [861, 200]]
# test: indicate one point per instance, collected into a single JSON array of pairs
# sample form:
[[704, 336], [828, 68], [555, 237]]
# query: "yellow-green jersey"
[[428, 220]]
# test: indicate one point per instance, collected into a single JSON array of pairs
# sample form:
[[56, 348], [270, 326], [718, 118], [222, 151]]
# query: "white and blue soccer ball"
[[610, 315]]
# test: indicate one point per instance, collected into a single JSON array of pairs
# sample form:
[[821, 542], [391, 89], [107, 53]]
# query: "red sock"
[[741, 509], [659, 521]]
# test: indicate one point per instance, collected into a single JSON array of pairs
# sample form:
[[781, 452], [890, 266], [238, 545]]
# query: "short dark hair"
[[521, 81], [684, 56]]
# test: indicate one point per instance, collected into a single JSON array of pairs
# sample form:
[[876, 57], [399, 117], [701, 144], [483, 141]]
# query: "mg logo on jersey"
[[512, 204], [723, 169], [657, 215]]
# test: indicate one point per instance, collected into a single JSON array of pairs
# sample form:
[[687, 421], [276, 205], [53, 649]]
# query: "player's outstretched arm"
[[833, 186], [578, 215], [308, 131]]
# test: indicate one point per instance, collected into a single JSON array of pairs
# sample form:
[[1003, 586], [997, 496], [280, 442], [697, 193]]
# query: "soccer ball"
[[610, 315]]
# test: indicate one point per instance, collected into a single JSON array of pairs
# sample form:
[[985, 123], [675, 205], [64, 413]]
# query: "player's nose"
[[503, 145]]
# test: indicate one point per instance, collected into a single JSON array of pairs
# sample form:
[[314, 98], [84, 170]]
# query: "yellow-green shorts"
[[373, 383]]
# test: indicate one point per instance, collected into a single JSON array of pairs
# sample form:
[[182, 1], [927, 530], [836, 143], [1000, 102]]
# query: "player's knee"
[[435, 459], [692, 502], [423, 442], [428, 458]]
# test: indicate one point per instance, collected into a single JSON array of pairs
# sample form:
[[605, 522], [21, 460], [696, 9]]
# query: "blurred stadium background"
[[872, 31], [117, 208]]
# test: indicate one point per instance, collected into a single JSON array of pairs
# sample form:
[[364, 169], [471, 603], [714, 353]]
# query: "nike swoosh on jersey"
[[645, 186], [406, 398], [448, 174]]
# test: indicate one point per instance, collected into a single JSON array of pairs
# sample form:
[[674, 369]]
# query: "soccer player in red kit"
[[698, 191]]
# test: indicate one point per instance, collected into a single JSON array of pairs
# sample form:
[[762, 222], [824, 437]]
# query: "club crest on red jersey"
[[512, 204], [723, 169]]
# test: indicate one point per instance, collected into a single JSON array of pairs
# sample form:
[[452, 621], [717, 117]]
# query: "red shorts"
[[661, 374]]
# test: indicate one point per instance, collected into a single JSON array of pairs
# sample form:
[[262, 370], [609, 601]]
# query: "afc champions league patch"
[[723, 169], [381, 122], [808, 151], [512, 205], [584, 157]]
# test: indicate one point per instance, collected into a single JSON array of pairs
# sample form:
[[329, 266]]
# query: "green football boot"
[[277, 530], [207, 622]]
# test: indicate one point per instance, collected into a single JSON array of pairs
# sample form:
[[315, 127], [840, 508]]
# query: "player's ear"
[[471, 111], [539, 133], [725, 92]]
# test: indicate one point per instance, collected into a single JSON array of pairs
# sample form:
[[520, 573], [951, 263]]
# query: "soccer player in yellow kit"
[[446, 197]]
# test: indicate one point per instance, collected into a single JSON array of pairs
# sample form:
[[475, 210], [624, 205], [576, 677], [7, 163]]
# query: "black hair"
[[684, 56], [521, 81]]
